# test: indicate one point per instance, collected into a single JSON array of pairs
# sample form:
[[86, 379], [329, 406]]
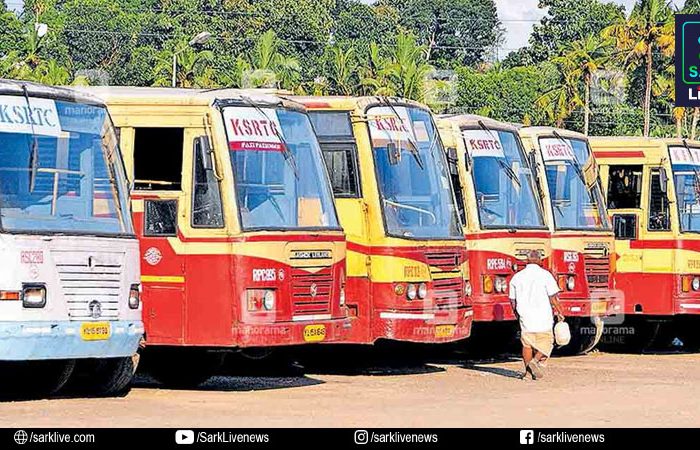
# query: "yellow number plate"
[[599, 308], [95, 331], [443, 331], [314, 333]]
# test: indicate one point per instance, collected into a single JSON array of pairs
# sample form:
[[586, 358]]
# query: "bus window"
[[206, 193], [453, 167], [158, 158], [161, 218], [625, 187], [659, 217], [334, 132], [625, 226]]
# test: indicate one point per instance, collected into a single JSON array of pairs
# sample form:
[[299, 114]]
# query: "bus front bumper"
[[429, 326], [25, 341], [309, 331], [600, 303], [492, 308]]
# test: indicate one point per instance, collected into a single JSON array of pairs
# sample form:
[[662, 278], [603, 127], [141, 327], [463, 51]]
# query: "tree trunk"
[[696, 116], [647, 93], [586, 105]]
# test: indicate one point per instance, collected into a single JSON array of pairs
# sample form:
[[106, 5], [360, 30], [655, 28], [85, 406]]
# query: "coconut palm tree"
[[269, 67], [376, 72], [649, 30], [410, 67], [581, 60], [342, 69], [559, 102]]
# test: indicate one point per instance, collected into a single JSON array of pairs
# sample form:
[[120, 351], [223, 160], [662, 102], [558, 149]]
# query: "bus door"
[[624, 199], [658, 257], [159, 198]]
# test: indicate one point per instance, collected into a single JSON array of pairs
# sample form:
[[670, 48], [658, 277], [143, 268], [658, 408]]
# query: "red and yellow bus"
[[583, 244], [241, 247], [407, 270], [500, 210], [653, 192]]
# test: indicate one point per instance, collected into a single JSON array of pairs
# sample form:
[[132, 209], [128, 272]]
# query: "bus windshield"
[[61, 170], [414, 185], [280, 179], [685, 163], [505, 190], [575, 205]]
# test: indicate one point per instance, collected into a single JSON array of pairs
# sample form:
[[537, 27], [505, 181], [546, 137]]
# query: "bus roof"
[[16, 87], [472, 121], [335, 102], [634, 149], [536, 132], [164, 96]]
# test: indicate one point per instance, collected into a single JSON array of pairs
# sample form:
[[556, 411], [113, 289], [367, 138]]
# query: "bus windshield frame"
[[685, 163], [415, 194], [486, 148], [571, 155], [63, 171], [275, 151]]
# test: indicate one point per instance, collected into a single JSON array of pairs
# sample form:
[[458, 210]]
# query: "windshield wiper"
[[413, 150], [504, 164], [286, 152], [34, 146], [574, 162]]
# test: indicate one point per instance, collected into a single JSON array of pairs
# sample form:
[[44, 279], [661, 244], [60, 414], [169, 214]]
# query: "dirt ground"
[[596, 390]]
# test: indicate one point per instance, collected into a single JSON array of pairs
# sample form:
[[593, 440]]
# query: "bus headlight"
[[422, 290], [269, 300], [411, 292], [696, 283], [570, 283], [467, 288], [134, 297], [342, 288], [33, 295]]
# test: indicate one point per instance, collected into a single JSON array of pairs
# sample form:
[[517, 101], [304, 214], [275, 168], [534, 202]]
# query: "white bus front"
[[69, 292]]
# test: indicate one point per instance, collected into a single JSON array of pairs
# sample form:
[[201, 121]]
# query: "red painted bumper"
[[430, 327], [490, 308], [599, 303], [292, 333]]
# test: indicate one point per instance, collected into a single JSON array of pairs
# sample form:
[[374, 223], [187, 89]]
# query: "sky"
[[518, 17]]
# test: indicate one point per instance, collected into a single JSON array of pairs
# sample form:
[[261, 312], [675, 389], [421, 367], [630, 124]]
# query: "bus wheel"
[[107, 376], [584, 336], [184, 371], [33, 379]]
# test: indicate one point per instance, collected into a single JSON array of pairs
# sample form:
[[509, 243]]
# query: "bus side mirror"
[[204, 149], [393, 153], [663, 180], [453, 161], [533, 160]]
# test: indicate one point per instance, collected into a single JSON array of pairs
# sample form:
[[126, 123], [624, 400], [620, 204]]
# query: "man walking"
[[533, 292]]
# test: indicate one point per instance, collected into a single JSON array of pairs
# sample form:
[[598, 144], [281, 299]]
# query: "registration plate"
[[599, 307], [314, 333], [95, 331], [444, 331]]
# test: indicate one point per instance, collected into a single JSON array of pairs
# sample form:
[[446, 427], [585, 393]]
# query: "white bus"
[[69, 286]]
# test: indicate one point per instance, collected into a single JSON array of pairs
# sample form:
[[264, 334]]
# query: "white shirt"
[[531, 289]]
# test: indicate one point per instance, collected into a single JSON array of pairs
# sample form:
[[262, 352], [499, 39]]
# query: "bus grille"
[[447, 292], [84, 281], [444, 260], [311, 292], [597, 270]]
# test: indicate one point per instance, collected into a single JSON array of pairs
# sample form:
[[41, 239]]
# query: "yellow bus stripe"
[[161, 279]]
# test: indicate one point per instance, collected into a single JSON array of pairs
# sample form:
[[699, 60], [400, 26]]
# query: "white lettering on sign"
[[390, 124], [685, 156], [39, 117], [554, 149], [253, 129], [481, 143], [264, 275], [498, 264], [570, 256]]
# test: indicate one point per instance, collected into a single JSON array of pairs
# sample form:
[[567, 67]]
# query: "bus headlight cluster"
[[467, 288], [690, 282], [567, 282], [495, 284], [134, 296], [260, 299], [500, 285], [33, 295], [696, 283], [413, 291]]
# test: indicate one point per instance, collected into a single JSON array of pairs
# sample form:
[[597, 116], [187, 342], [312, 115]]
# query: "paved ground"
[[595, 390]]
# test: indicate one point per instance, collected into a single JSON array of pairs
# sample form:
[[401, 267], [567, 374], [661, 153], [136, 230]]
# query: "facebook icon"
[[527, 437]]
